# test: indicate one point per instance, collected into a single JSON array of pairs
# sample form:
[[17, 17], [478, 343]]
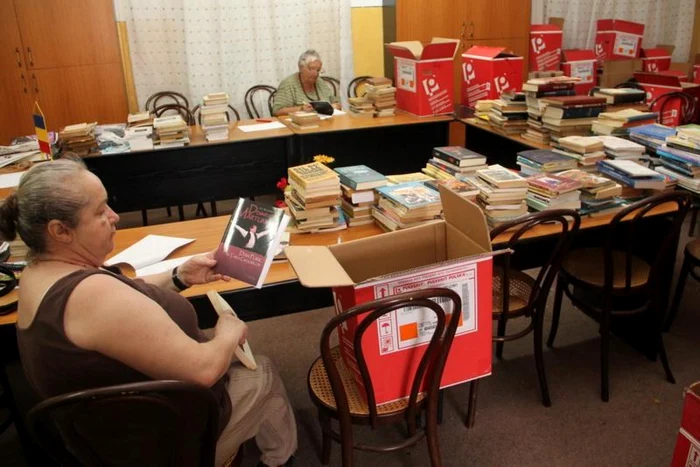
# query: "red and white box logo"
[[489, 71], [545, 47]]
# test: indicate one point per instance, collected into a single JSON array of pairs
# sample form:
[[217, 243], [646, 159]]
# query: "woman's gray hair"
[[308, 57], [46, 192]]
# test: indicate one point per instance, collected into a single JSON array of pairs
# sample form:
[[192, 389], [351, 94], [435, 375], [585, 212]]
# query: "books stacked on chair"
[[139, 119], [358, 183], [313, 198], [549, 191], [651, 136], [618, 123], [536, 161], [509, 113], [171, 132], [501, 195], [570, 115], [535, 90], [680, 157], [587, 150], [79, 138], [620, 148], [361, 107], [380, 92], [632, 174], [406, 205], [454, 162], [599, 195], [214, 116], [303, 120]]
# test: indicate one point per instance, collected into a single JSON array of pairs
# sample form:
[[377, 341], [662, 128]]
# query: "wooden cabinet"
[[63, 54], [495, 19]]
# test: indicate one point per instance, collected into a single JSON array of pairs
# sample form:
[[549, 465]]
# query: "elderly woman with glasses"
[[296, 91]]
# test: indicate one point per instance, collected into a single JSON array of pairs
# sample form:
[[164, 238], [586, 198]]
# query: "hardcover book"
[[250, 242], [501, 177], [553, 184], [411, 195], [459, 156], [360, 177]]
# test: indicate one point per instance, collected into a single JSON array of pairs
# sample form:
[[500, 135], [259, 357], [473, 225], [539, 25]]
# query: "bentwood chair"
[[624, 278], [667, 101], [152, 423], [691, 261], [184, 112], [337, 396], [254, 105], [356, 84], [230, 112], [165, 97], [519, 295], [334, 83]]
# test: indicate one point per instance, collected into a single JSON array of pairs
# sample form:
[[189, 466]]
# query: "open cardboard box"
[[618, 71], [454, 253]]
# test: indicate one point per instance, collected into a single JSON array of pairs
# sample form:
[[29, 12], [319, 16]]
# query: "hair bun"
[[9, 213]]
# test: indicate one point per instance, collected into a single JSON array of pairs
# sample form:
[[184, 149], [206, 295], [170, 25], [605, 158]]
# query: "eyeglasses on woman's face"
[[315, 69]]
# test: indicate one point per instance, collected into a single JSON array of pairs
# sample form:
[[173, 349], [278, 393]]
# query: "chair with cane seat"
[[334, 83], [251, 96]]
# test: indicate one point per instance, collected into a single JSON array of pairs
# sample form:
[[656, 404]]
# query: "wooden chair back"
[[333, 82], [196, 114], [669, 99], [165, 97], [153, 423], [431, 365], [355, 85], [252, 95], [184, 112]]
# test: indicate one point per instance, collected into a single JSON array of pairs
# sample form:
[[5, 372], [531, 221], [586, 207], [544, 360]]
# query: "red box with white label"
[[487, 72], [545, 47], [658, 84], [454, 253], [580, 64], [424, 76], [617, 39], [656, 59], [687, 452]]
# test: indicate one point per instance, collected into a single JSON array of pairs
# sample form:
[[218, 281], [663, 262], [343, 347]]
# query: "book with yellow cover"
[[314, 173]]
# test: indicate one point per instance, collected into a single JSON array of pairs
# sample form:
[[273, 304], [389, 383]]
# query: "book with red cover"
[[553, 184], [250, 242], [568, 101]]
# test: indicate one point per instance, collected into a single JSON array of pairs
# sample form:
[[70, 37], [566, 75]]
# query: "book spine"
[[555, 93], [445, 157], [580, 112], [688, 160], [348, 182], [554, 87]]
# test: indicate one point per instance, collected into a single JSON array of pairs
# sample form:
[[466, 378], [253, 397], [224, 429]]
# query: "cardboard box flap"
[[655, 53], [658, 79], [545, 29], [315, 266], [492, 53], [440, 47], [406, 49], [669, 48], [466, 216], [578, 55], [556, 21]]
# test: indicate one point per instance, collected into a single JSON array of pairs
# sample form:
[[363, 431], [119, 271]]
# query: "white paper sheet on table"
[[336, 113], [10, 180], [149, 250], [162, 266], [261, 126]]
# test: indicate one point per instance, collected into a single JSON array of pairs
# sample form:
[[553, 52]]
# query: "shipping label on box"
[[617, 39], [545, 47], [487, 72], [655, 60]]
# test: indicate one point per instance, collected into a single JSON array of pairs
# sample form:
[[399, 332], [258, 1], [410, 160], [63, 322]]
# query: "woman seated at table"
[[296, 91], [81, 325]]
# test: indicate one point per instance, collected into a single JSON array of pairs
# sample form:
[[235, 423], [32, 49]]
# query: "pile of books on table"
[[380, 92], [214, 116], [464, 188], [313, 198], [171, 132], [79, 138], [680, 157], [361, 107], [599, 195], [408, 177], [509, 113], [633, 175], [483, 108], [620, 96], [535, 90], [406, 205], [454, 162], [587, 150], [502, 194], [620, 148], [139, 131], [651, 136], [570, 115], [549, 191], [618, 123], [536, 161], [303, 120], [358, 183], [139, 119]]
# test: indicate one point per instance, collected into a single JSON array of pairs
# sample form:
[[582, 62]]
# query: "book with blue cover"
[[360, 177], [653, 130], [411, 195], [545, 158]]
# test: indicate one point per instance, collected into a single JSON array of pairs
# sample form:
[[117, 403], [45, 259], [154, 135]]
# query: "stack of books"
[[406, 205], [680, 157], [587, 150], [618, 123], [535, 90], [382, 94], [171, 132], [570, 115], [599, 195], [139, 119], [548, 191], [483, 107], [502, 194], [313, 198], [361, 107], [139, 138], [409, 177], [619, 96], [304, 120], [214, 116], [651, 136], [454, 162], [536, 161], [632, 174], [79, 138], [357, 183], [620, 148], [509, 113]]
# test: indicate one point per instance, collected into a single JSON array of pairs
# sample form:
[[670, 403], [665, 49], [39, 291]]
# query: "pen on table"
[[263, 120]]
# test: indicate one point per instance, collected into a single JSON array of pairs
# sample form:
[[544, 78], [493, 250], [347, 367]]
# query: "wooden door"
[[15, 95], [498, 19], [90, 93], [58, 33]]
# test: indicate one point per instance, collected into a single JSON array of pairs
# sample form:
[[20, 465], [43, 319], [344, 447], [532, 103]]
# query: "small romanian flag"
[[42, 133]]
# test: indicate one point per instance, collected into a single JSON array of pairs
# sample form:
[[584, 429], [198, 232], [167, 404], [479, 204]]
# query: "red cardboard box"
[[545, 47], [687, 452], [696, 73], [454, 253], [617, 39], [658, 84], [424, 76], [580, 64], [489, 71], [656, 59]]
